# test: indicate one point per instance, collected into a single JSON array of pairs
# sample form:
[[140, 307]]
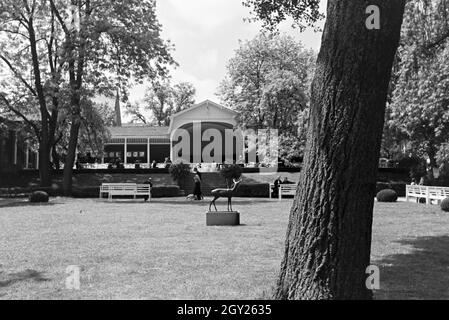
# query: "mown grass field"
[[163, 249]]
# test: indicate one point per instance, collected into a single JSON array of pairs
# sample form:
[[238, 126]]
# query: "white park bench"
[[125, 189], [427, 192], [288, 189]]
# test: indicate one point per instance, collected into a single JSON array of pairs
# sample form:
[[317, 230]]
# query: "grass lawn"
[[163, 250]]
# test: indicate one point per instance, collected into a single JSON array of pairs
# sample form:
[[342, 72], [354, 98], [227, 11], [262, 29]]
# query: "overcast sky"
[[205, 34]]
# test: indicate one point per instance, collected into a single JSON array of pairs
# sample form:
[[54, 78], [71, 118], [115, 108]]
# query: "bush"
[[85, 192], [39, 196], [165, 191], [179, 171], [445, 205], [387, 195], [231, 171], [382, 186], [399, 187], [254, 190]]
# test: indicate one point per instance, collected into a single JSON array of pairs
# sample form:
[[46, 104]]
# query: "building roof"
[[206, 104], [138, 131]]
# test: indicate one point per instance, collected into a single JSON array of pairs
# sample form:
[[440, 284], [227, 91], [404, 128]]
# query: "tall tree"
[[106, 43], [183, 96], [30, 52], [328, 243], [268, 80], [420, 100], [161, 101]]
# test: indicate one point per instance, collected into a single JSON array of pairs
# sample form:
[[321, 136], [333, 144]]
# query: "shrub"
[[85, 192], [253, 190], [445, 205], [231, 171], [399, 187], [165, 191], [179, 171], [382, 186], [39, 196], [387, 195]]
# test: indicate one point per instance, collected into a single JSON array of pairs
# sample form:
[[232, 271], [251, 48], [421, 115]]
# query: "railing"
[[284, 189], [426, 192]]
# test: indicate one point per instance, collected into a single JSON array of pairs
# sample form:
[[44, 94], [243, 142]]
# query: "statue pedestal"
[[222, 218]]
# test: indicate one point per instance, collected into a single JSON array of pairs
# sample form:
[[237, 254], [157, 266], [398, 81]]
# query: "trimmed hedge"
[[156, 192], [39, 197], [84, 192], [445, 205], [387, 195], [399, 187], [253, 190], [165, 191]]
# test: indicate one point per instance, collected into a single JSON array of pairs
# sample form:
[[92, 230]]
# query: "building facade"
[[15, 151], [145, 144]]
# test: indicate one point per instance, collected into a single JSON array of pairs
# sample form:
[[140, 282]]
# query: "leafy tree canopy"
[[271, 12], [162, 100], [420, 103]]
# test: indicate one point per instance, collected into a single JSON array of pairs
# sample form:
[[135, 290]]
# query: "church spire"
[[118, 116]]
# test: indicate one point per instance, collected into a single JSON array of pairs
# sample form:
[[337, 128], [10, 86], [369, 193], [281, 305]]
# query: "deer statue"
[[228, 193]]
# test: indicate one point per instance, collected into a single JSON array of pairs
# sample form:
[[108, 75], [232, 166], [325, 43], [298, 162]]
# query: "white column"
[[197, 151], [37, 159], [15, 148], [126, 151], [27, 155], [148, 152]]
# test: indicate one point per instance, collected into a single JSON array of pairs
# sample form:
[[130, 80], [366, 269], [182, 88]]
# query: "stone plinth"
[[222, 218]]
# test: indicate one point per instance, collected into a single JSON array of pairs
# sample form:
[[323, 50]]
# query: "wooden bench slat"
[[125, 189]]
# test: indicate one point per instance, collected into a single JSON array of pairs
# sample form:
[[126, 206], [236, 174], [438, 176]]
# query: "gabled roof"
[[199, 105], [205, 102], [138, 131]]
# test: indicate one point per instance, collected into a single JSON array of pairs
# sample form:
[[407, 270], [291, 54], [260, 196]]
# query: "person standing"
[[277, 182], [150, 182], [197, 185]]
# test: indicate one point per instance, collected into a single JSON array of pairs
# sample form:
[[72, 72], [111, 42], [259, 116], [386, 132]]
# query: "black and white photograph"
[[228, 157]]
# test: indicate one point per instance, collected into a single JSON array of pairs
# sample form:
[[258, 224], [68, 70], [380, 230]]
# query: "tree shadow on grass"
[[27, 275], [422, 273]]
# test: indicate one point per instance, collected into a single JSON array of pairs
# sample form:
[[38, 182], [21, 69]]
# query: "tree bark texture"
[[328, 240]]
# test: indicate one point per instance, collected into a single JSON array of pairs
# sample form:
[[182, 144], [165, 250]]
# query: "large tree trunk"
[[329, 233], [71, 154], [44, 147]]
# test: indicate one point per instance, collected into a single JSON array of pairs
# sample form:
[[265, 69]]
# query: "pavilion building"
[[143, 143]]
